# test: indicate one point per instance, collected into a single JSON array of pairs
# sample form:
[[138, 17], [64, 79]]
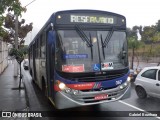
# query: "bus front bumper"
[[64, 100]]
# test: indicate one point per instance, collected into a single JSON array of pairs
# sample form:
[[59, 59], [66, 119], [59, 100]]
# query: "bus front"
[[91, 58]]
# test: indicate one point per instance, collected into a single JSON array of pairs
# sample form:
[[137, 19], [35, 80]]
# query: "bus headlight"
[[62, 86], [125, 84], [121, 87]]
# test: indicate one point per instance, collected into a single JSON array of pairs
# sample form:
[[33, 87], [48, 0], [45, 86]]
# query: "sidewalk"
[[11, 98]]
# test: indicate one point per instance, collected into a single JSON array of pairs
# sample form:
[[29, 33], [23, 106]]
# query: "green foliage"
[[148, 33], [23, 28], [7, 21], [158, 26], [132, 37], [19, 54], [11, 5], [131, 33]]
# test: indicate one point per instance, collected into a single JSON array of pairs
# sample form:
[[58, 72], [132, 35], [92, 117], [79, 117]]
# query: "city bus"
[[80, 57]]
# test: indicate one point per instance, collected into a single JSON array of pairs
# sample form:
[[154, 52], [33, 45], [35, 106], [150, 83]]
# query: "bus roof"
[[87, 11]]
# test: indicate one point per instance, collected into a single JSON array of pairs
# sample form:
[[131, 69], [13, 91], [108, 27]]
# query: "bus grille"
[[99, 89], [99, 77]]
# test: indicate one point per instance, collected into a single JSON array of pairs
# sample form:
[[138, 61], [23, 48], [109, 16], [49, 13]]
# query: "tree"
[[13, 6], [133, 43], [148, 33], [158, 26], [9, 23], [19, 54], [8, 29]]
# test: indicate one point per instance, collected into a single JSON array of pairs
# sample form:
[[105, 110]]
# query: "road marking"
[[136, 108]]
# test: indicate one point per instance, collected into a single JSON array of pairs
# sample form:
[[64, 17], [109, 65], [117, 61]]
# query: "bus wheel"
[[44, 90], [30, 72]]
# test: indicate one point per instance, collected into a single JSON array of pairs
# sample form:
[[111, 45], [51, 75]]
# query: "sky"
[[137, 12]]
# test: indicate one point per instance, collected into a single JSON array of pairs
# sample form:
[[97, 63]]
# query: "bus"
[[80, 57]]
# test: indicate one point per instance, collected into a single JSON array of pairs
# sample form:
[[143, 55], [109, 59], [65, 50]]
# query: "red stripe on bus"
[[82, 86], [56, 88]]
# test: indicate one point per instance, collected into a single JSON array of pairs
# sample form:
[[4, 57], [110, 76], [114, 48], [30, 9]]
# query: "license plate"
[[101, 97]]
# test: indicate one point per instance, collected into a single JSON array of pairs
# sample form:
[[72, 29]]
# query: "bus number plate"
[[101, 97]]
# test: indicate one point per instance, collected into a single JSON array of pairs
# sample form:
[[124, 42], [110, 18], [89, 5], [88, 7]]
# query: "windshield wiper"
[[102, 47], [83, 36], [91, 46], [108, 37]]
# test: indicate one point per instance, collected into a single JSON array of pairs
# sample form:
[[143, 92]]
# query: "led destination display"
[[91, 19]]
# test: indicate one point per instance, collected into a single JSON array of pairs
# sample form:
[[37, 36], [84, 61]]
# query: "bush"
[[18, 54]]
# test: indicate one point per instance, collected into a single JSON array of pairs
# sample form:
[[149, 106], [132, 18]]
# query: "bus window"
[[42, 46]]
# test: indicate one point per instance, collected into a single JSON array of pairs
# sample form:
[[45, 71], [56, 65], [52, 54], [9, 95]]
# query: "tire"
[[30, 72], [44, 90], [141, 93]]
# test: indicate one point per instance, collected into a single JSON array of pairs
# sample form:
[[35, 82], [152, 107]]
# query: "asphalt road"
[[128, 109]]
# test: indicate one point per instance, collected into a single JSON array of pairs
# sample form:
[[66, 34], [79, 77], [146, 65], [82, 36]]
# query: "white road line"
[[136, 108]]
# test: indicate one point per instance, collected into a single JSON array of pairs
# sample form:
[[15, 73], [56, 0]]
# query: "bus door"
[[52, 69], [50, 61]]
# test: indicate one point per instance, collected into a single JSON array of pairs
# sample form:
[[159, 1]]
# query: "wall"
[[3, 55]]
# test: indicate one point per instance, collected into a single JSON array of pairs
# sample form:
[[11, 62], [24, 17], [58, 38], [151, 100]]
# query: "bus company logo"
[[97, 85], [106, 66]]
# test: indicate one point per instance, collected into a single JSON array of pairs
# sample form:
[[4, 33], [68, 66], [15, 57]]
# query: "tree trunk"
[[132, 62], [150, 51]]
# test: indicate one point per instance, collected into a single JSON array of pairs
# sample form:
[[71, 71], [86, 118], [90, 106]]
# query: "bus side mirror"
[[52, 26], [124, 54]]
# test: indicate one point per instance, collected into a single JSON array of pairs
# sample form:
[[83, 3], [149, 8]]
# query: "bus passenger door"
[[52, 69], [50, 62]]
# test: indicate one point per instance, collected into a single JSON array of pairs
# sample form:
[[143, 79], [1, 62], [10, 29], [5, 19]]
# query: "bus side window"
[[36, 48], [42, 46]]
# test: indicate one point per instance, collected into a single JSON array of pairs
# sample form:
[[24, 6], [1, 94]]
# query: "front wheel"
[[44, 88], [141, 93]]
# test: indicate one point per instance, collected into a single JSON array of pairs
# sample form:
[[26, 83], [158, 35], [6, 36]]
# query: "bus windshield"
[[74, 55]]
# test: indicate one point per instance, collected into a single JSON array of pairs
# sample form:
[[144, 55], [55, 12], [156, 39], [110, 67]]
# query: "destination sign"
[[91, 19], [97, 18]]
